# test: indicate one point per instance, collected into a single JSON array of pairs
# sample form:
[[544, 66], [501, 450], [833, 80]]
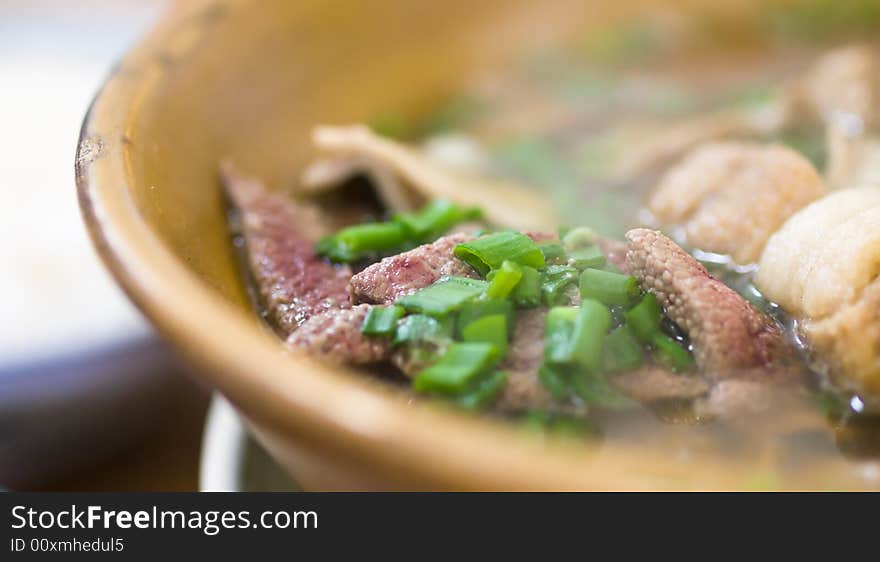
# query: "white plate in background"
[[231, 460]]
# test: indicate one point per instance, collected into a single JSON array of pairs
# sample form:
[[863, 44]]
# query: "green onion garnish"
[[489, 329], [381, 320], [671, 354], [489, 252], [609, 288], [594, 389], [555, 380], [405, 231], [436, 217], [553, 252], [622, 352], [578, 238], [444, 296], [588, 337], [557, 337], [590, 256], [554, 280], [644, 318], [502, 281], [481, 392], [417, 328], [460, 365], [476, 309], [528, 291], [362, 240]]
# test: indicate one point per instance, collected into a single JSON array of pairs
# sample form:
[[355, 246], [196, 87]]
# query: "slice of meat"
[[730, 197], [335, 335], [524, 391], [728, 334], [652, 383], [279, 235], [403, 274]]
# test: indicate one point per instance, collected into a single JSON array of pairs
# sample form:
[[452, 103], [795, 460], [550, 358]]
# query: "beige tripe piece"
[[503, 203], [822, 267], [730, 197]]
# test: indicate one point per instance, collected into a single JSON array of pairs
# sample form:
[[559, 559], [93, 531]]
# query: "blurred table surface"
[[166, 459], [55, 53]]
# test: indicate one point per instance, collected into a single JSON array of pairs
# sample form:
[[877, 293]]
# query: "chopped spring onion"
[[555, 381], [381, 320], [420, 328], [622, 352], [594, 389], [460, 365], [406, 230], [609, 288], [476, 309], [588, 336], [527, 292], [578, 238], [481, 392], [644, 318], [489, 329], [553, 252], [557, 337], [590, 256], [555, 279], [671, 354], [446, 295], [489, 252], [436, 217], [503, 280], [361, 240]]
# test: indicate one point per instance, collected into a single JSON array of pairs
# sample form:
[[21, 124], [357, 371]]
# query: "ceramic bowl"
[[247, 80]]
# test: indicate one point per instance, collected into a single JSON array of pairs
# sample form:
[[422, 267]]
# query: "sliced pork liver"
[[279, 235], [728, 334], [403, 274], [335, 335]]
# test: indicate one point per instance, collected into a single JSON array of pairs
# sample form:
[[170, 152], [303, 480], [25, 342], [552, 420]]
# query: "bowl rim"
[[324, 408]]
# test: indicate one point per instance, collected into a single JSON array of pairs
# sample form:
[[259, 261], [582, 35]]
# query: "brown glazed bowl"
[[247, 80]]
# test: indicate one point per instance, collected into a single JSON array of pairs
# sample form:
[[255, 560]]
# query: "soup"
[[609, 242]]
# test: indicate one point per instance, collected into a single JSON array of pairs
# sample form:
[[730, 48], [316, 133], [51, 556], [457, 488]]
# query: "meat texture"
[[729, 198], [652, 383], [525, 355], [402, 274], [524, 390], [279, 235], [823, 268], [335, 335], [728, 334]]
